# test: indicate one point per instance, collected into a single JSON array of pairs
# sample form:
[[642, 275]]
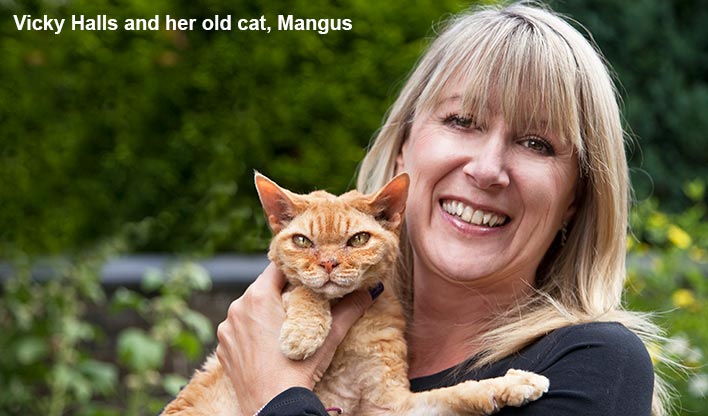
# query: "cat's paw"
[[521, 387], [299, 340]]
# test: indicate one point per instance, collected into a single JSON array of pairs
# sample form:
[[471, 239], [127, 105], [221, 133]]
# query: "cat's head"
[[334, 244]]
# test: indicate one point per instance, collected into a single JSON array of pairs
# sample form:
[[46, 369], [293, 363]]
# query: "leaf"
[[695, 189], [200, 324], [173, 383], [139, 352], [31, 349], [126, 299], [189, 344], [152, 280], [103, 376], [199, 277], [67, 377], [76, 330], [193, 275]]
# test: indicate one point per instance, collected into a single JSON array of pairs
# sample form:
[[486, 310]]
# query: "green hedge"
[[103, 128], [668, 277], [657, 49]]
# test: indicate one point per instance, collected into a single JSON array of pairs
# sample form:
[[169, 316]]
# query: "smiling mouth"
[[474, 216]]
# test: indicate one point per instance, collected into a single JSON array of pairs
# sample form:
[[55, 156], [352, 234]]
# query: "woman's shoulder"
[[587, 353], [601, 365], [594, 368], [610, 341], [608, 331]]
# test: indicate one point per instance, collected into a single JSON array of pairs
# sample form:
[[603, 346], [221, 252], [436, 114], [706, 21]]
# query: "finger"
[[271, 279], [347, 312], [223, 333]]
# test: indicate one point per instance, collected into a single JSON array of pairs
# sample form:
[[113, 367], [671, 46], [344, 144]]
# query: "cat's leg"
[[483, 397], [208, 393], [307, 322]]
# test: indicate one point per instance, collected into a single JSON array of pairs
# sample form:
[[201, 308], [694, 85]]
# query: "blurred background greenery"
[[115, 142]]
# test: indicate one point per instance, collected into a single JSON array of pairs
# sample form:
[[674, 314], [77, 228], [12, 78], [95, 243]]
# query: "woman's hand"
[[249, 349]]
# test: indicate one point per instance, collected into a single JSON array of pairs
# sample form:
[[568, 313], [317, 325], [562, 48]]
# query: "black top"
[[598, 368]]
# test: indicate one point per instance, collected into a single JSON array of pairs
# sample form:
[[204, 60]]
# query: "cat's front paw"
[[521, 387], [299, 340]]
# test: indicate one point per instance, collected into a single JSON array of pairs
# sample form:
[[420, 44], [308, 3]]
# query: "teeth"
[[471, 215], [467, 214], [477, 217]]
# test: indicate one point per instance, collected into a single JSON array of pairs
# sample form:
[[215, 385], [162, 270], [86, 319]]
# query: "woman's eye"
[[359, 239], [459, 121], [301, 241], [538, 144]]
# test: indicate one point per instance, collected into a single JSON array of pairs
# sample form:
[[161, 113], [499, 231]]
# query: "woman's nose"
[[487, 164]]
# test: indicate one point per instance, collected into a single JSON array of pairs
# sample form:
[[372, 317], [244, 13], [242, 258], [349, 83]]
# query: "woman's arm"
[[249, 349], [295, 401]]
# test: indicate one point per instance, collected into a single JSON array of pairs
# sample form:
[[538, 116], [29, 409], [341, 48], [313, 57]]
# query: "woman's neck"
[[449, 318]]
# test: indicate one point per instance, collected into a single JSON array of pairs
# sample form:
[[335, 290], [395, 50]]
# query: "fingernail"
[[376, 290]]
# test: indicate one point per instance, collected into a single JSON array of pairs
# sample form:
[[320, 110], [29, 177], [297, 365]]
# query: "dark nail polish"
[[376, 290]]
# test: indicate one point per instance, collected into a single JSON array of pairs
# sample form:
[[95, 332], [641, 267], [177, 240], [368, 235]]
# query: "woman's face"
[[485, 202]]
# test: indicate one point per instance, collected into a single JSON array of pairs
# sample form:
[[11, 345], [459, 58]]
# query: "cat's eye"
[[358, 239], [301, 241]]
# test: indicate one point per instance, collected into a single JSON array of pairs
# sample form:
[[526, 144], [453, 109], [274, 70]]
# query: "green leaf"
[[695, 189], [126, 299], [152, 280], [189, 344], [200, 324], [31, 349], [76, 330], [172, 383], [198, 277], [103, 376], [139, 352]]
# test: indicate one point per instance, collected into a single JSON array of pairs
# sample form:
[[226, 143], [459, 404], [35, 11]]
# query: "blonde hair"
[[496, 53]]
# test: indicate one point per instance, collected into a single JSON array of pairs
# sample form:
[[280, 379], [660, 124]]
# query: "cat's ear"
[[389, 203], [278, 204]]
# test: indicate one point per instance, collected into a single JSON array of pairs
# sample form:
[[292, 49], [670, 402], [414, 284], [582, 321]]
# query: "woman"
[[515, 234]]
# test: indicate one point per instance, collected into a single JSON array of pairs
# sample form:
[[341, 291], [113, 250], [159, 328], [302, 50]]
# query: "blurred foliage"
[[106, 127], [152, 136], [658, 51], [54, 361], [667, 272], [99, 128]]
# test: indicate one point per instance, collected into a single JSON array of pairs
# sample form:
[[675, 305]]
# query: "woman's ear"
[[570, 212]]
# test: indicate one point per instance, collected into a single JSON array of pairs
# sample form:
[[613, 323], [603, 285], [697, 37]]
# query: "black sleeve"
[[295, 401], [594, 370]]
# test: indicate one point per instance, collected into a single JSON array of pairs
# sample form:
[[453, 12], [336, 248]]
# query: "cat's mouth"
[[333, 289], [474, 216]]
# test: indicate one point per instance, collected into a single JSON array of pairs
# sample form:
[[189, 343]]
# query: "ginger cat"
[[329, 246]]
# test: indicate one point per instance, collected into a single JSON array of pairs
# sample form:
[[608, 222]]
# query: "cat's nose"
[[329, 265]]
